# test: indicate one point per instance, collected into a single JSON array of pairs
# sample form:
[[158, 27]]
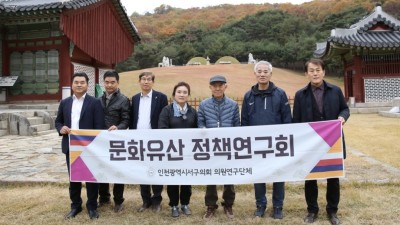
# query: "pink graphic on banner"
[[80, 172], [330, 131]]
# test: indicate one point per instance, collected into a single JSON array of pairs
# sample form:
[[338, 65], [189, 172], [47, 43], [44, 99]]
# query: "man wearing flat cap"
[[218, 111]]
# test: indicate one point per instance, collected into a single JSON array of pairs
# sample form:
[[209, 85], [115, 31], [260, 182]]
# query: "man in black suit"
[[80, 111], [145, 111]]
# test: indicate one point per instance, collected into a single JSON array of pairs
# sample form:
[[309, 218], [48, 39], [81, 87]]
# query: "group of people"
[[264, 104]]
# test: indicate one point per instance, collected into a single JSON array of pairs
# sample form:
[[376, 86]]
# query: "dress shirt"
[[144, 111], [318, 94], [76, 111]]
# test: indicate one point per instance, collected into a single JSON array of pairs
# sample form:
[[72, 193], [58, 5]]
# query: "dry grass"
[[375, 136], [362, 203]]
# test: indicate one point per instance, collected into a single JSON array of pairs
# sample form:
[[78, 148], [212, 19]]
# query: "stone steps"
[[372, 107], [36, 120], [4, 106], [34, 129], [26, 114], [394, 112], [3, 132], [26, 123], [46, 132], [27, 107], [3, 124], [369, 110], [389, 114], [27, 118]]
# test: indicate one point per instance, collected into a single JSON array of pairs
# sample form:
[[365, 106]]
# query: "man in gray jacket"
[[218, 111], [116, 110], [266, 104]]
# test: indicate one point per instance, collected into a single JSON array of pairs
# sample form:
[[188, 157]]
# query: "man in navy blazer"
[[80, 111], [145, 111]]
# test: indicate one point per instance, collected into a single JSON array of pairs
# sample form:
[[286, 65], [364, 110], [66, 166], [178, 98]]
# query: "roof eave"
[[73, 5]]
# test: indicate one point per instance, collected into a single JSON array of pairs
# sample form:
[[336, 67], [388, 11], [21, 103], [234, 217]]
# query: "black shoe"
[[333, 219], [118, 207], [73, 213], [156, 208], [102, 204], [260, 211], [278, 214], [144, 207], [93, 214], [311, 217]]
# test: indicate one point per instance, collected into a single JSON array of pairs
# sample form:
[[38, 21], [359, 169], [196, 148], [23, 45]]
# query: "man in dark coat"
[[266, 104], [320, 101], [116, 110]]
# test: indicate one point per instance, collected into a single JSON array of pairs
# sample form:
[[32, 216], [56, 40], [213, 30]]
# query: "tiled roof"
[[20, 6], [360, 35]]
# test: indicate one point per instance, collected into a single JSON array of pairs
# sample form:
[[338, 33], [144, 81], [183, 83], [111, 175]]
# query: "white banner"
[[234, 155]]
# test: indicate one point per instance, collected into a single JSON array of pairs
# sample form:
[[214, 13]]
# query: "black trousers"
[[174, 194], [332, 195], [75, 188], [145, 192], [118, 193]]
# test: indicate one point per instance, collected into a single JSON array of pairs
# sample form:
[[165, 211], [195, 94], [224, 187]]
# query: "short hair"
[[147, 73], [80, 74], [180, 84], [263, 63], [111, 73], [318, 62]]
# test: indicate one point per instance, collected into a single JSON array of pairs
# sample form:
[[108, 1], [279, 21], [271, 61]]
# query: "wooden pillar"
[[66, 67], [5, 61], [6, 58], [358, 82], [96, 74], [347, 77]]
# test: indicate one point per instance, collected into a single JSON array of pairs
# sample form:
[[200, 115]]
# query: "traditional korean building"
[[44, 42], [370, 51]]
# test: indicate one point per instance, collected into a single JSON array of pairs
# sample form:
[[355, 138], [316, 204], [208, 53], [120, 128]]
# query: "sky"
[[142, 7]]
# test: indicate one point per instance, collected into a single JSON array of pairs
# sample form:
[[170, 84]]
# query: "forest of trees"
[[283, 34]]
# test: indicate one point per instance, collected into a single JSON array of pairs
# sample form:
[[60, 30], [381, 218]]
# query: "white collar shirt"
[[144, 121], [76, 111]]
